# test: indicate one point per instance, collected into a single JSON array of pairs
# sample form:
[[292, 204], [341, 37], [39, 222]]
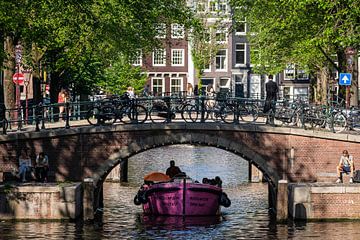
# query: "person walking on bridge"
[[271, 97]]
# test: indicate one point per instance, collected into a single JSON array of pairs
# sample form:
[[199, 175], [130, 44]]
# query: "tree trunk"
[[9, 63]]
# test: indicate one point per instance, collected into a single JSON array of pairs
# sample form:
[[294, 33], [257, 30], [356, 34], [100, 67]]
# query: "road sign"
[[18, 78], [345, 79]]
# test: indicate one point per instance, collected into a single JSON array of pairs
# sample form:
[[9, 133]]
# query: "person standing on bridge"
[[271, 97], [346, 165], [173, 170]]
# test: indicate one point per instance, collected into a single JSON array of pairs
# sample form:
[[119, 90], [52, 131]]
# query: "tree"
[[203, 40], [305, 32], [120, 75], [76, 40]]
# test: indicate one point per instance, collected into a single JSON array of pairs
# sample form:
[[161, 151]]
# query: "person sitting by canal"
[[25, 165], [41, 167], [173, 170], [346, 165]]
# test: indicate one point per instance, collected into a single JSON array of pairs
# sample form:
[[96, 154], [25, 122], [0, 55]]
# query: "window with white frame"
[[176, 85], [222, 6], [161, 30], [159, 57], [241, 28], [157, 86], [177, 57], [220, 36], [177, 30], [212, 6], [240, 53], [137, 58], [291, 72], [220, 59]]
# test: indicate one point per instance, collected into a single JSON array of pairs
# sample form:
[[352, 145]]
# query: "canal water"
[[247, 218]]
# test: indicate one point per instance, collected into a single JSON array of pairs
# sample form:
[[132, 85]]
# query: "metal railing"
[[174, 108]]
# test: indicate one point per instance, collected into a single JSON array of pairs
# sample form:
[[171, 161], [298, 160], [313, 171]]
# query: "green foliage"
[[305, 32], [77, 39], [121, 75]]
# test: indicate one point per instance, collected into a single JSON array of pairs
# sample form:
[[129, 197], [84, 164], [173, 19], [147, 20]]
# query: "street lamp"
[[26, 83], [18, 57]]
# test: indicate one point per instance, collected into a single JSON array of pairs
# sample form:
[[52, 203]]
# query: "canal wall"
[[41, 201], [321, 201]]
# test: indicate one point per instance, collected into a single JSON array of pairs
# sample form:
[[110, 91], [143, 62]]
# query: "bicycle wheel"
[[228, 114], [189, 113], [339, 122], [92, 116], [353, 123], [138, 114], [248, 113]]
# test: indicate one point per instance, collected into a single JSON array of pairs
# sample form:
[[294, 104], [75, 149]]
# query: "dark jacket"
[[271, 95]]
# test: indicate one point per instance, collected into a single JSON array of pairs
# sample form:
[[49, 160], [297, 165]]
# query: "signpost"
[[18, 57], [18, 78], [345, 79]]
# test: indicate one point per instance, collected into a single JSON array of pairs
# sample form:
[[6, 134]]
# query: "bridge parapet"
[[87, 151]]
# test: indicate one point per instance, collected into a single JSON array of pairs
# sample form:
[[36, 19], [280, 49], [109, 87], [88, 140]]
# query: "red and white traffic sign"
[[18, 78]]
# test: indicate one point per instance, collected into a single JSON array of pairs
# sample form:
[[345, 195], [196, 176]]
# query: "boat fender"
[[224, 200], [137, 200]]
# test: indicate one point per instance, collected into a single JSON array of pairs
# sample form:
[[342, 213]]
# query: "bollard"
[[37, 120], [88, 199], [282, 201]]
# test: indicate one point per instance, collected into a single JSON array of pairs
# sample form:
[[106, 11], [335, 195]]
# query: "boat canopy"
[[157, 177]]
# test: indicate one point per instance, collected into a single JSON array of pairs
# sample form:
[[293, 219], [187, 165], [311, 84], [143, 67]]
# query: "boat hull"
[[182, 198]]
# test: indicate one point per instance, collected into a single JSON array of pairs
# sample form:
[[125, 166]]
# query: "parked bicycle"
[[101, 112], [128, 110], [165, 110]]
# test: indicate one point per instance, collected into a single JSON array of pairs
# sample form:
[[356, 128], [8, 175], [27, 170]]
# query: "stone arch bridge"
[[296, 155]]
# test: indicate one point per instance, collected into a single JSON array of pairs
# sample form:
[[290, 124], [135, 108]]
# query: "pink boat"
[[181, 196]]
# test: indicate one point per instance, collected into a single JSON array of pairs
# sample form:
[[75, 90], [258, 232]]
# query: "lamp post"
[[18, 57], [26, 83]]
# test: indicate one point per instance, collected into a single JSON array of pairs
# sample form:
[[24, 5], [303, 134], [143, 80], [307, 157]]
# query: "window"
[[221, 59], [241, 28], [177, 30], [176, 85], [292, 73], [177, 57], [224, 84], [161, 30], [212, 6], [301, 92], [222, 7], [137, 59], [159, 57], [221, 36], [157, 86], [286, 93], [240, 54]]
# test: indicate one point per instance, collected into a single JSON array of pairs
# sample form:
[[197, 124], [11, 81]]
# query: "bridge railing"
[[165, 109]]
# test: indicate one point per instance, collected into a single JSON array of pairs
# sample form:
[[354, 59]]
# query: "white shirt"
[[346, 161]]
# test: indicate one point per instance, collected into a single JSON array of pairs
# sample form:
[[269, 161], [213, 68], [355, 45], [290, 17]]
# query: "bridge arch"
[[252, 157]]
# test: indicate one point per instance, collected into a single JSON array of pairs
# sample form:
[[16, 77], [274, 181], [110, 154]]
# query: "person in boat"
[[173, 170]]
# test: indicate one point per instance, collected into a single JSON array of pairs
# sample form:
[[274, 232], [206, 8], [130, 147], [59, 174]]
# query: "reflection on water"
[[247, 218]]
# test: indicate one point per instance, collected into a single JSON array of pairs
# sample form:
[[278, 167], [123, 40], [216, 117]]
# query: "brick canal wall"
[[324, 201]]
